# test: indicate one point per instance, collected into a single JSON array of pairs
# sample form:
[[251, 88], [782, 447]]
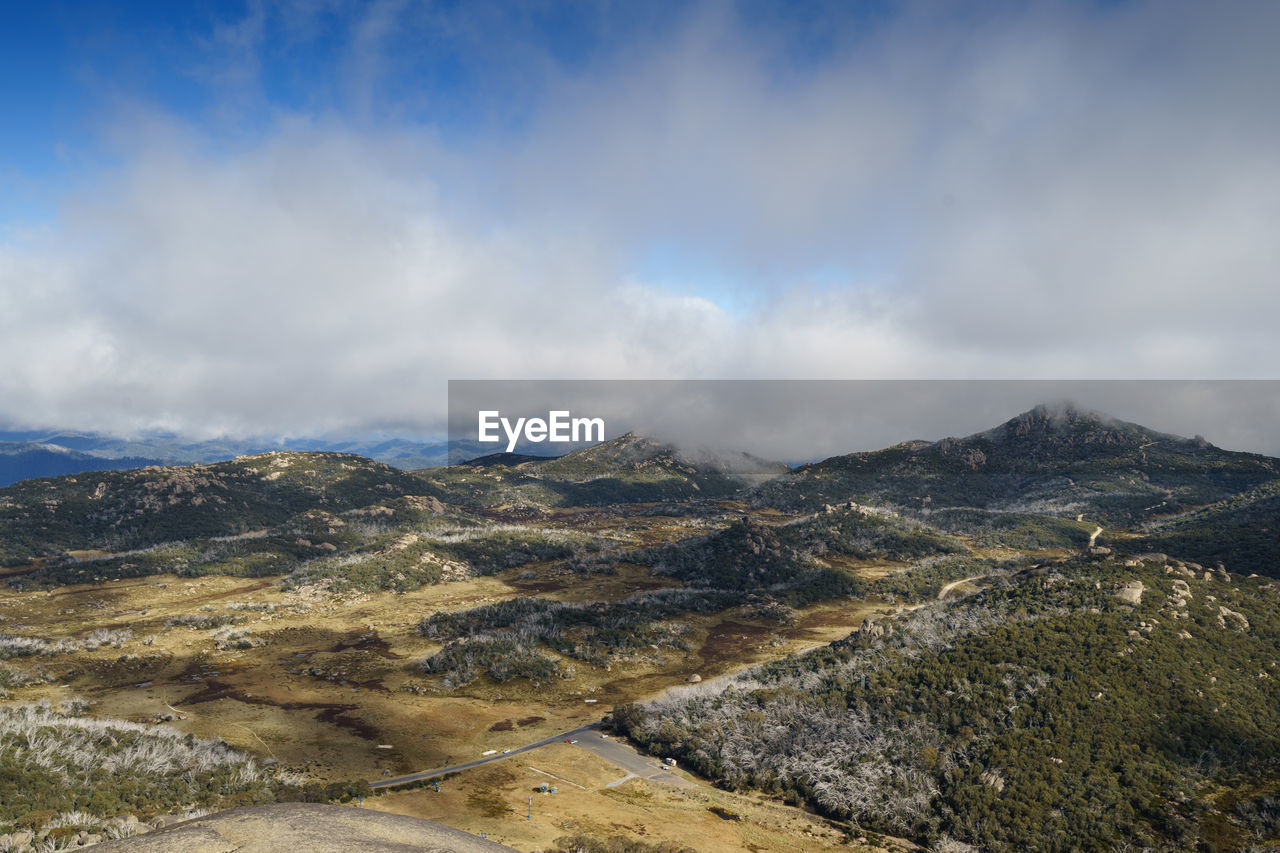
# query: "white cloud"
[[1045, 192]]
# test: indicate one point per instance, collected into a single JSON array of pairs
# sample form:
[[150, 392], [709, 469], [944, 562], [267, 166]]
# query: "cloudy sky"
[[304, 217]]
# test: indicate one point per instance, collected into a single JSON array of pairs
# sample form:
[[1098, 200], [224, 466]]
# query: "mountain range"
[[1059, 633], [51, 453]]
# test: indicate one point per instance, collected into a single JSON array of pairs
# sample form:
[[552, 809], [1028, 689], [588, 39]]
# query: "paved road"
[[591, 729], [625, 756], [588, 737]]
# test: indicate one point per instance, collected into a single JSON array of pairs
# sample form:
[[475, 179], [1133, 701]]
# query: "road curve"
[[454, 768], [946, 588]]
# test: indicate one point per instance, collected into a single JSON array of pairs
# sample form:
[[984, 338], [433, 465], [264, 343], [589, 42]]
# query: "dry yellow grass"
[[495, 801], [333, 681]]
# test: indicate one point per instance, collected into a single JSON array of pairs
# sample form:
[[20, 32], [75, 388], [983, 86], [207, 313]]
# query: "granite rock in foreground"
[[311, 827]]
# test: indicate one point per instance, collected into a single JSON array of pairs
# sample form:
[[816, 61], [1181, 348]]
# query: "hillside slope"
[[120, 510], [627, 469], [1242, 531], [1053, 462], [1076, 706]]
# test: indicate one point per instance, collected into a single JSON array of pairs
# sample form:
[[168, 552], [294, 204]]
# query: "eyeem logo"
[[558, 426]]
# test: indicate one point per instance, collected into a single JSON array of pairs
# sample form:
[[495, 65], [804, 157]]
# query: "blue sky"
[[301, 217]]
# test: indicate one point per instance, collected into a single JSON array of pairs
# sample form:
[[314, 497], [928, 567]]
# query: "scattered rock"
[[694, 679]]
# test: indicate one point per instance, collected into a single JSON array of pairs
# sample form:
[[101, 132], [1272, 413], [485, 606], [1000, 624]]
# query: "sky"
[[303, 218]]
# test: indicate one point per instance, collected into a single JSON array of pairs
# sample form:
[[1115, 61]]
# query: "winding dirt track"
[[946, 588]]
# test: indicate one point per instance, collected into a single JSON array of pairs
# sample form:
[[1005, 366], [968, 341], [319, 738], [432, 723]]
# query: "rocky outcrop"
[[1176, 602], [1131, 592], [311, 827], [1232, 619], [870, 629]]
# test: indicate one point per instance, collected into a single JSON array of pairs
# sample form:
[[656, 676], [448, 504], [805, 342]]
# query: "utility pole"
[[531, 808]]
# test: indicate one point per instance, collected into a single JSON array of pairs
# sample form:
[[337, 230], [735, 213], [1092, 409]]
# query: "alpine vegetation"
[[54, 758], [1059, 709], [13, 646], [503, 639]]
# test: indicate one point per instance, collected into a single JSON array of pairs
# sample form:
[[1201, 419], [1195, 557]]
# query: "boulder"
[[1230, 618], [1131, 592], [870, 629]]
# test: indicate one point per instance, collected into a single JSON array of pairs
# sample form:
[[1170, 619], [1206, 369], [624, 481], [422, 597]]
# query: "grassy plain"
[[325, 683]]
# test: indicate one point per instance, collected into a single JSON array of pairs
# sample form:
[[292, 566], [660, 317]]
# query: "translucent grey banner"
[[804, 420]]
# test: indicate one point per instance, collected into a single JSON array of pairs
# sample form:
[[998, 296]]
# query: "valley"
[[852, 652]]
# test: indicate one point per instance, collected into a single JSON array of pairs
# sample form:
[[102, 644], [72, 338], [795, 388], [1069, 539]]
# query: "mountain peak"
[[1067, 424], [1047, 416]]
